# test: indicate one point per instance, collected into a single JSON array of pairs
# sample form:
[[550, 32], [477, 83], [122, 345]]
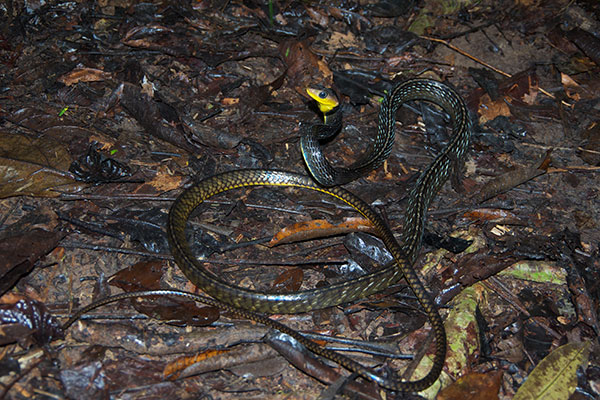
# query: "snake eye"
[[323, 94]]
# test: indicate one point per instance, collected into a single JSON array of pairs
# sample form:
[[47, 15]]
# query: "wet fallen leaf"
[[304, 67], [289, 281], [147, 275], [95, 167], [18, 253], [144, 275], [34, 167], [555, 377], [22, 318], [473, 386], [302, 359], [368, 251]]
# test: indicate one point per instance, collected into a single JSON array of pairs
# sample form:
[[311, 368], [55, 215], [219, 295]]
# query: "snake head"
[[325, 98]]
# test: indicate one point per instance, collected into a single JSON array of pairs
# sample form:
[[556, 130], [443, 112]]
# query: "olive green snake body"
[[248, 303], [421, 196]]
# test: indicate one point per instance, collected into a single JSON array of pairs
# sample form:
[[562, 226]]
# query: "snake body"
[[413, 89], [421, 196]]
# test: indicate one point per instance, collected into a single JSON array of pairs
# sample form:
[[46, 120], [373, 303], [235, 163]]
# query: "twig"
[[477, 60], [464, 53], [77, 245], [67, 196]]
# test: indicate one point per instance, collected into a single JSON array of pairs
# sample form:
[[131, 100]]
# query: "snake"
[[251, 304], [427, 185], [413, 89]]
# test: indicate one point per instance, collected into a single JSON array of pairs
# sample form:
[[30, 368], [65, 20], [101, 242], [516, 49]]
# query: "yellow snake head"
[[325, 98]]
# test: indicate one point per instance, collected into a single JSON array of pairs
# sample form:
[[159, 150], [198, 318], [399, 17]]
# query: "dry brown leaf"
[[84, 75], [289, 281], [174, 368], [488, 109], [474, 386], [163, 181], [572, 88], [304, 67], [343, 40], [319, 228], [34, 167], [229, 101]]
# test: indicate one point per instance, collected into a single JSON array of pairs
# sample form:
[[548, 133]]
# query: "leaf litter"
[[222, 89]]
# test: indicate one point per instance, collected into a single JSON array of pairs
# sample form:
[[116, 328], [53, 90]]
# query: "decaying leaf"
[[86, 378], [492, 214], [95, 167], [319, 228], [174, 368], [19, 253], [147, 276], [304, 67], [514, 178], [589, 148], [84, 75], [521, 88], [555, 378], [302, 359], [473, 386], [22, 318], [463, 340], [537, 271], [462, 331], [233, 358], [163, 181], [289, 281], [34, 167]]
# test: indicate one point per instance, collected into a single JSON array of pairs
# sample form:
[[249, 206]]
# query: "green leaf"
[[555, 377], [537, 271]]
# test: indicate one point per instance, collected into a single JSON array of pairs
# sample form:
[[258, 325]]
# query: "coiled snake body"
[[247, 302]]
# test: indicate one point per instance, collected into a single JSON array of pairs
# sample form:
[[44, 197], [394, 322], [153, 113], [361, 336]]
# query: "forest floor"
[[109, 109]]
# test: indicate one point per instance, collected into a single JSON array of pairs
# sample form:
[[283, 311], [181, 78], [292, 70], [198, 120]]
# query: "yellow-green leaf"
[[555, 377], [537, 271], [463, 340]]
